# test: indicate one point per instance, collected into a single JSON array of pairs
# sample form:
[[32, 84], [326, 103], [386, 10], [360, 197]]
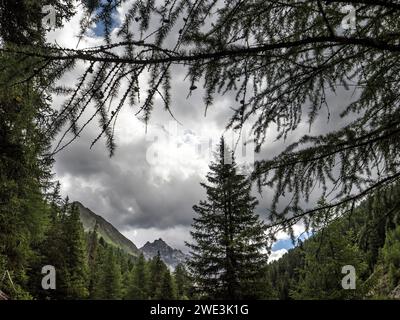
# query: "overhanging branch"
[[233, 52]]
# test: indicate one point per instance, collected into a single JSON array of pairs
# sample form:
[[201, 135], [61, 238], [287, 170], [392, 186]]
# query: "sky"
[[147, 189]]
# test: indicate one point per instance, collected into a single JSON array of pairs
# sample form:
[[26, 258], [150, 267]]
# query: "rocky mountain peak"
[[172, 257]]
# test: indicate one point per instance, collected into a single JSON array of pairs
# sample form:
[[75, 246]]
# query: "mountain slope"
[[106, 230], [172, 257]]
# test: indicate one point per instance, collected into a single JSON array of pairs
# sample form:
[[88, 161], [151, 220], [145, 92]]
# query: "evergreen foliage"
[[167, 290], [325, 255], [227, 261], [183, 283], [391, 256], [139, 281], [312, 270], [37, 227]]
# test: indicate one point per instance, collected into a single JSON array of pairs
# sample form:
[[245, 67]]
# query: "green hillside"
[[367, 238], [105, 230]]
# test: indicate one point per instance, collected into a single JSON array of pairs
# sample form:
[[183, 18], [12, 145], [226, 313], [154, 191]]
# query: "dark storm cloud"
[[124, 189], [131, 194]]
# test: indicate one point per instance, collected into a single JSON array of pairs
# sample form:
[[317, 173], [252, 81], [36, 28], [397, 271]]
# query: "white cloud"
[[298, 229], [276, 255]]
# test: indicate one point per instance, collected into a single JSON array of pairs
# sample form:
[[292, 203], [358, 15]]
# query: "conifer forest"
[[256, 140]]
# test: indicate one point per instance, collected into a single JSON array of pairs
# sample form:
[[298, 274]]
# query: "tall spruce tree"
[[76, 255], [227, 258], [111, 278], [92, 251], [97, 271], [167, 288], [139, 281], [182, 281], [157, 269], [24, 170]]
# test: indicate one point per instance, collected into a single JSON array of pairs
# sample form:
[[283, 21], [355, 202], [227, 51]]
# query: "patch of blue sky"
[[288, 243], [99, 28]]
